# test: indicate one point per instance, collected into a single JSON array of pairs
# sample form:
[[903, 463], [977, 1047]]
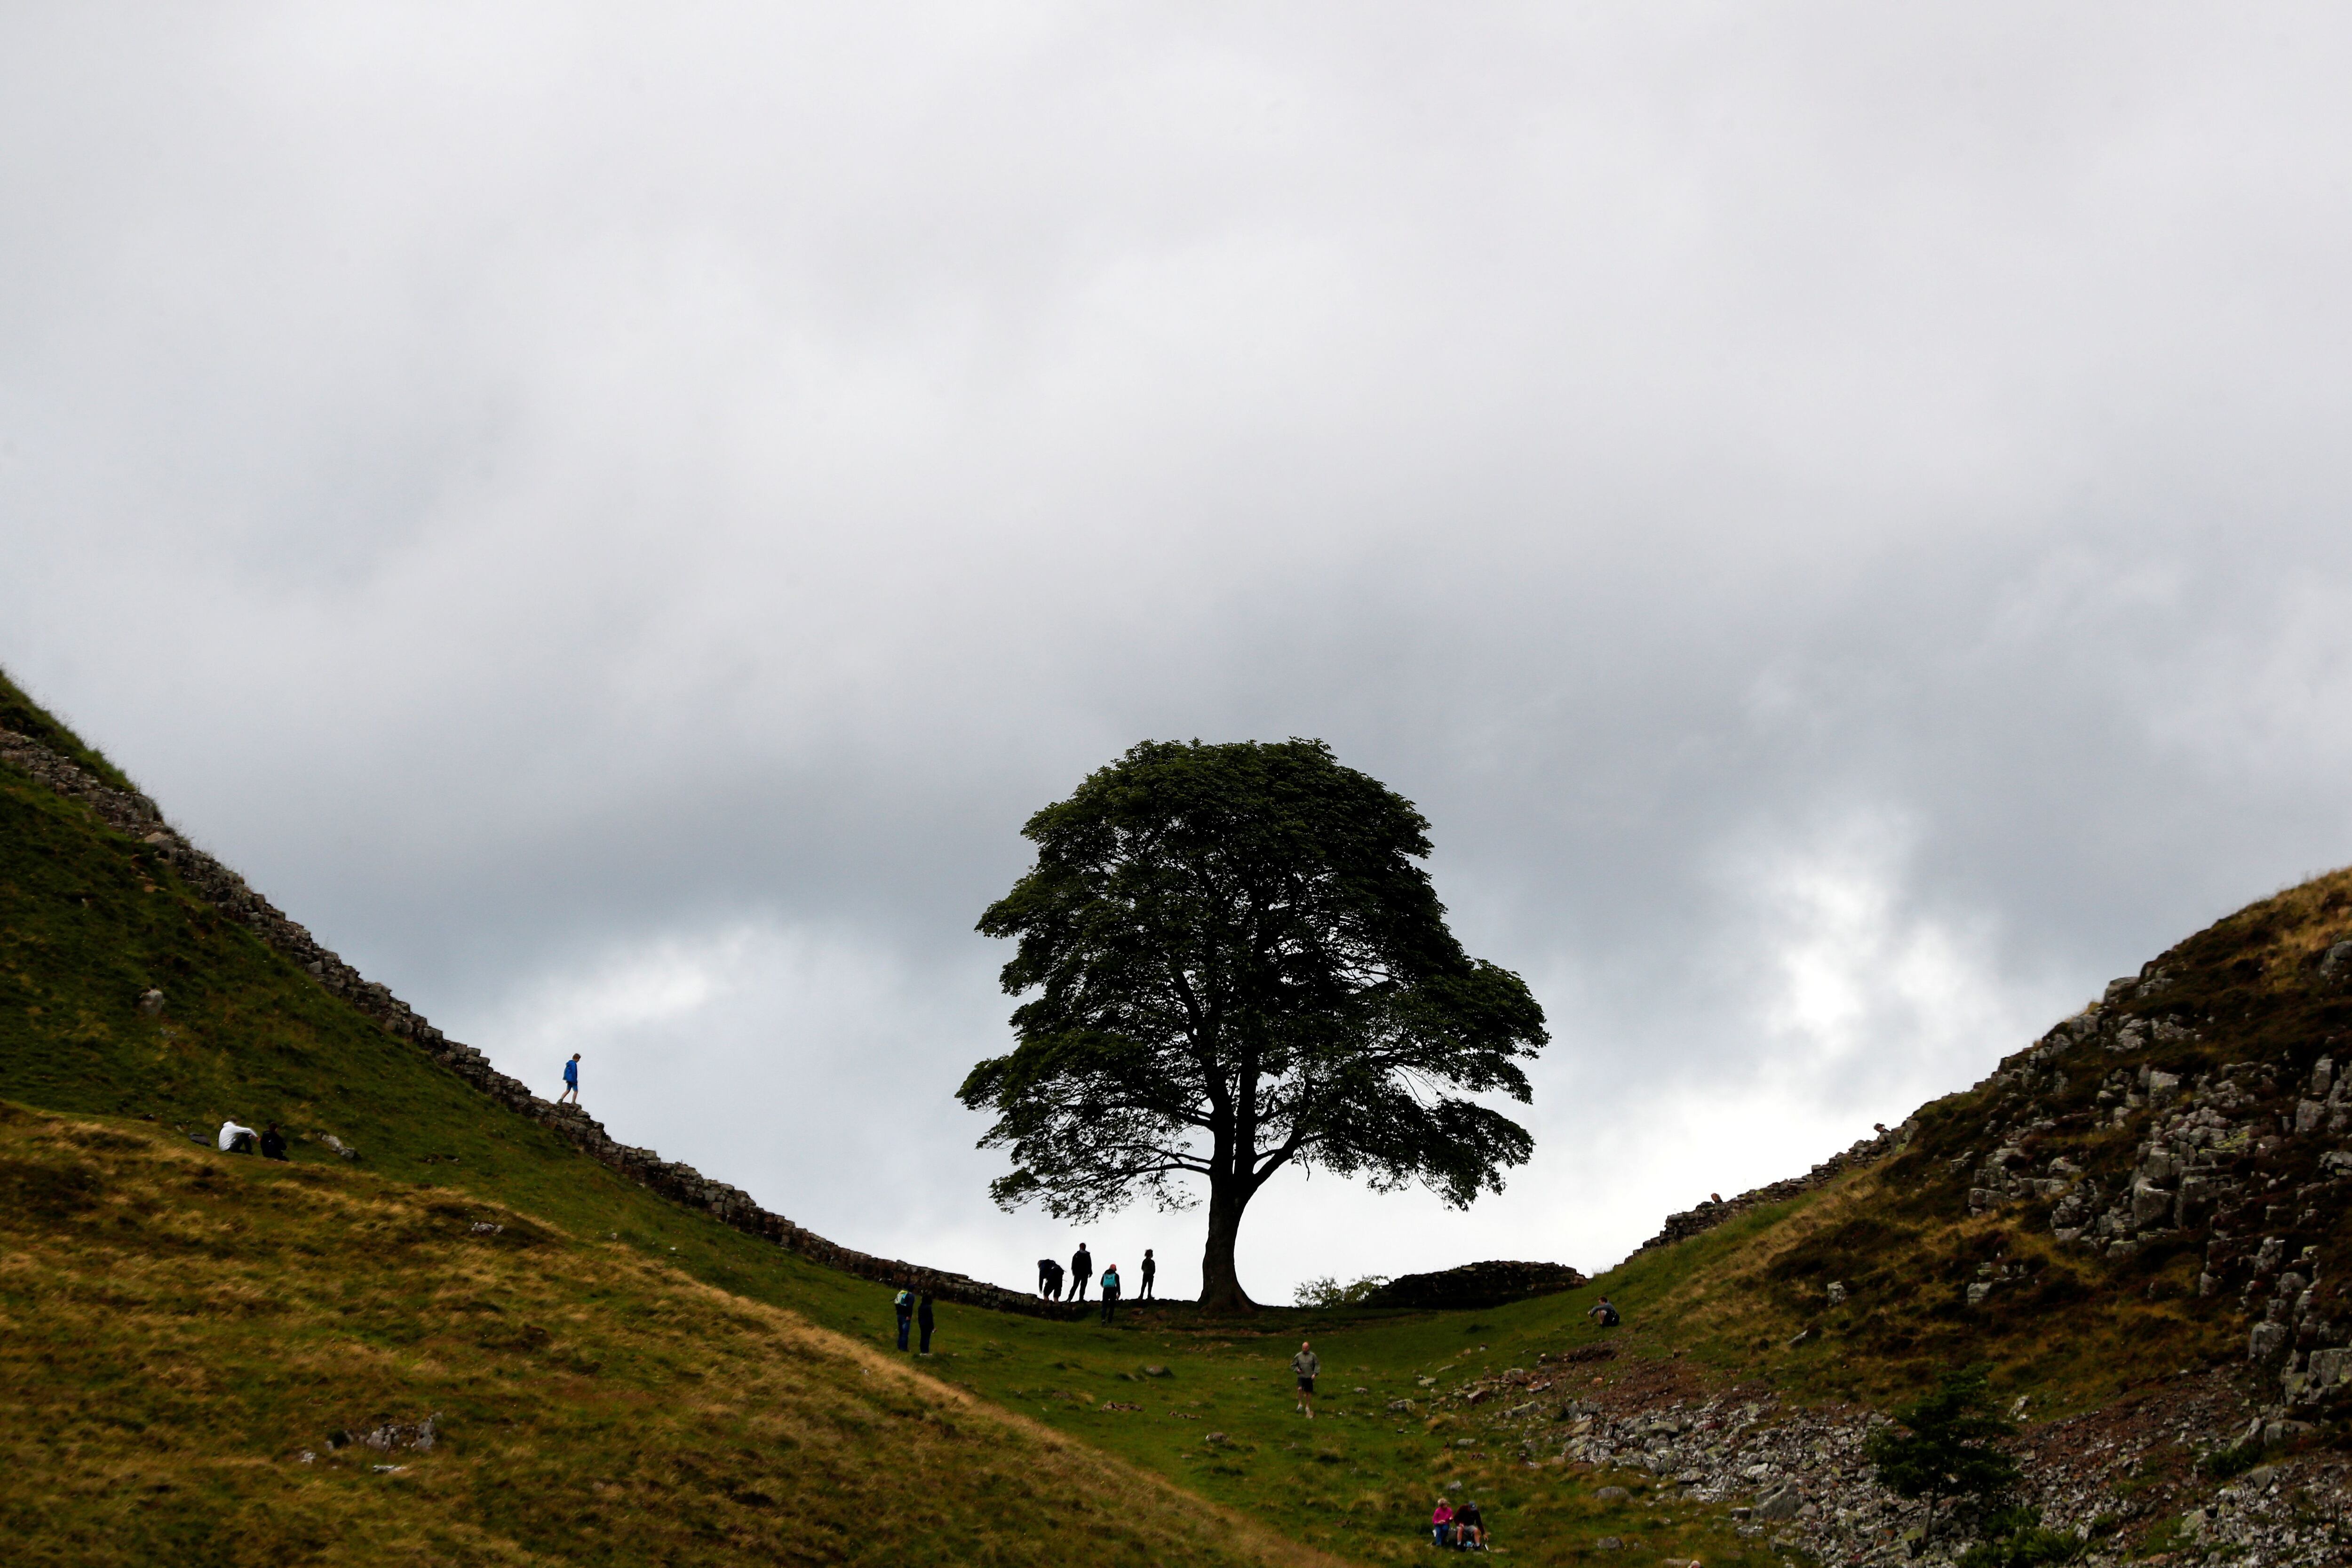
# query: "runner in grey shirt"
[[1306, 1364]]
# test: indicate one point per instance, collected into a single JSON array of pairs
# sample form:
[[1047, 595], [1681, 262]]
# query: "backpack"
[[905, 1298]]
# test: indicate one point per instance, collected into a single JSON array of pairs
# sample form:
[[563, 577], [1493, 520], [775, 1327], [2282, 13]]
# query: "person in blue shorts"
[[570, 1081]]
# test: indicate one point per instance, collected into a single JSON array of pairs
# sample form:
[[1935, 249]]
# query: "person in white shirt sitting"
[[235, 1140]]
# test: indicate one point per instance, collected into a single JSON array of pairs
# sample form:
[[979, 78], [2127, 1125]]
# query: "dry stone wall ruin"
[[138, 817]]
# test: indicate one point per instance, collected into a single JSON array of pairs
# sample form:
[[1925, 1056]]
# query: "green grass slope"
[[196, 1351]]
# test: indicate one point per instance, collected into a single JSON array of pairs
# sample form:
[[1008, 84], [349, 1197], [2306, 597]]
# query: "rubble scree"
[[138, 817]]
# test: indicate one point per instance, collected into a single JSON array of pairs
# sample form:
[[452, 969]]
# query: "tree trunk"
[[1220, 1285]]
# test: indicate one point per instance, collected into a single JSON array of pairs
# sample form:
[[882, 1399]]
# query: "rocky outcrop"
[[1475, 1285], [1797, 1477], [137, 816]]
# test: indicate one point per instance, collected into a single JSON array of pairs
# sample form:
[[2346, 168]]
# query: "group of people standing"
[[1082, 1270], [914, 1309]]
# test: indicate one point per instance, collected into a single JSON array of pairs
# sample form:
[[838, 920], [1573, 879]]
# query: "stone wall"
[[1475, 1285], [137, 815]]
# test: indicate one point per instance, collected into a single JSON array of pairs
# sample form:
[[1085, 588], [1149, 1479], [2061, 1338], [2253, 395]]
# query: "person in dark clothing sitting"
[[273, 1143], [1469, 1529]]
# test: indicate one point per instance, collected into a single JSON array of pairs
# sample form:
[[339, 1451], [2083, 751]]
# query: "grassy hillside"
[[198, 1348]]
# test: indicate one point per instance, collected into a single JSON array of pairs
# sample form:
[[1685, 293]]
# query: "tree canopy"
[[1234, 963], [1943, 1446]]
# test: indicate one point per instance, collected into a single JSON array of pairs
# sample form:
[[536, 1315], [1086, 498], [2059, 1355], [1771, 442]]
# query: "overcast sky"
[[615, 516]]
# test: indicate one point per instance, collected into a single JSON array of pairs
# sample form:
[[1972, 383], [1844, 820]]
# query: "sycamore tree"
[[1234, 963]]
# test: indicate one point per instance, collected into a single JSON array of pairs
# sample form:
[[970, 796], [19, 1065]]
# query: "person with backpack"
[[570, 1081], [1149, 1269], [923, 1319], [1110, 1291], [1306, 1364], [905, 1304], [1082, 1269], [1605, 1314]]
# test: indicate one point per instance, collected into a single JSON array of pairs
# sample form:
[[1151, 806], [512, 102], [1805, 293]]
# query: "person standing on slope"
[[1149, 1269], [570, 1081], [1306, 1364], [903, 1303], [923, 1319], [1110, 1290], [1082, 1269]]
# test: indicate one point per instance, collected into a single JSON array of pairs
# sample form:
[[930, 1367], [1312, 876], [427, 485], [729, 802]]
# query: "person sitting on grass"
[[1441, 1524], [235, 1140], [1469, 1529], [273, 1143], [1605, 1314]]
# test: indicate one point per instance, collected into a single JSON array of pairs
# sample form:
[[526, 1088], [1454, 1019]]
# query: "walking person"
[[923, 1319], [905, 1304], [1306, 1364], [570, 1081], [1149, 1270], [1082, 1269], [1110, 1291]]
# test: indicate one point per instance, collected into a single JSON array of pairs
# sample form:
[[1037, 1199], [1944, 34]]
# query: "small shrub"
[[1327, 1291], [2236, 1459]]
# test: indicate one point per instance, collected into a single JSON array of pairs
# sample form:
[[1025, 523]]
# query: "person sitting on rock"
[[273, 1143], [1469, 1529], [235, 1140], [1441, 1524], [1604, 1313]]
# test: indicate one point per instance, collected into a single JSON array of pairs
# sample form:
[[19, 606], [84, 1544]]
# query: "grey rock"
[[151, 1003], [1781, 1504], [1611, 1494]]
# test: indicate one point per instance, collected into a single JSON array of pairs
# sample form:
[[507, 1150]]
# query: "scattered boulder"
[[151, 1003]]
